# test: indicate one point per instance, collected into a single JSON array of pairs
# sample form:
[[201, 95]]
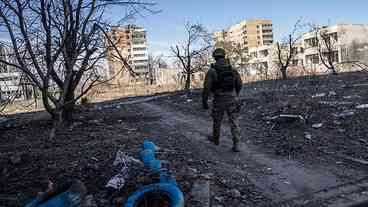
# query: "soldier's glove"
[[205, 106]]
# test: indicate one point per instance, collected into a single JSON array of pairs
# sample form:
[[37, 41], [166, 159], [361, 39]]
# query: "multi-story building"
[[131, 41], [9, 76], [248, 34], [264, 60], [349, 43]]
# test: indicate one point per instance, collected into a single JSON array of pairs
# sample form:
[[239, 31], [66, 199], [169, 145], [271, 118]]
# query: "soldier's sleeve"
[[238, 83], [207, 85]]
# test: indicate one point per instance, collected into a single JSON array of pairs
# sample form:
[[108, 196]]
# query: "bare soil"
[[281, 163]]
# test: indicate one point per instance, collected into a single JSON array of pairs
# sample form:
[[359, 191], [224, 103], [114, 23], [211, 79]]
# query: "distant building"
[[349, 41], [350, 44], [132, 45], [264, 60], [248, 33], [9, 76]]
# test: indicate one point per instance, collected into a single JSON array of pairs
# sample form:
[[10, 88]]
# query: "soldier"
[[225, 83]]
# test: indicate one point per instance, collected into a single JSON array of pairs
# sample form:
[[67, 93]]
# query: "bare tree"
[[286, 50], [154, 64], [327, 48], [193, 52], [61, 45]]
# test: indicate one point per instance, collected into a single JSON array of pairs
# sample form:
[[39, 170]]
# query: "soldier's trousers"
[[218, 112]]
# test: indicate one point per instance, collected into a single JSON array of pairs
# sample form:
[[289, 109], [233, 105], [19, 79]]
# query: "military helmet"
[[219, 53]]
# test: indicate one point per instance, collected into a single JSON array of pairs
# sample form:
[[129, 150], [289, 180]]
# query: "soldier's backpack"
[[225, 79]]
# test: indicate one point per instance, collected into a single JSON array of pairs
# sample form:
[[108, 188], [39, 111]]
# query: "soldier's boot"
[[216, 132], [214, 139], [236, 147]]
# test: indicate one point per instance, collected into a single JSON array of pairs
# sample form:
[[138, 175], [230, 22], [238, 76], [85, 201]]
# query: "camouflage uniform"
[[224, 101]]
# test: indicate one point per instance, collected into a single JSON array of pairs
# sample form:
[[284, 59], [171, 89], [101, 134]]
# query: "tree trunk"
[[284, 73], [57, 123], [187, 83], [333, 69], [68, 109]]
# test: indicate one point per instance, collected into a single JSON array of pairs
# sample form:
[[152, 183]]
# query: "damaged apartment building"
[[348, 46], [12, 85], [131, 41]]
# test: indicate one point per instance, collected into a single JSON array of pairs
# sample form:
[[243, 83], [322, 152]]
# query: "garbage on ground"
[[307, 135], [319, 95], [165, 187], [344, 114], [286, 118], [121, 159], [336, 103], [70, 194], [352, 97], [362, 106], [317, 125], [332, 93]]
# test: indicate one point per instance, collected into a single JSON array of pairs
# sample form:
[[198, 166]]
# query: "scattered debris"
[[286, 118], [122, 158], [317, 125], [364, 141], [362, 106], [332, 93], [359, 161], [94, 159], [345, 114], [219, 199], [319, 95], [235, 193], [352, 97], [90, 201], [200, 193], [117, 182], [72, 193], [336, 103], [192, 172], [307, 135], [359, 85]]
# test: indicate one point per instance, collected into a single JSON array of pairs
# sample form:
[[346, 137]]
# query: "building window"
[[334, 55], [264, 53], [139, 49], [267, 31], [311, 42], [312, 59], [267, 42], [253, 54], [268, 36], [294, 62], [139, 55], [140, 61]]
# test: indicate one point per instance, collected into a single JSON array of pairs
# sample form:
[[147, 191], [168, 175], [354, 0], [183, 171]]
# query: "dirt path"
[[278, 179]]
